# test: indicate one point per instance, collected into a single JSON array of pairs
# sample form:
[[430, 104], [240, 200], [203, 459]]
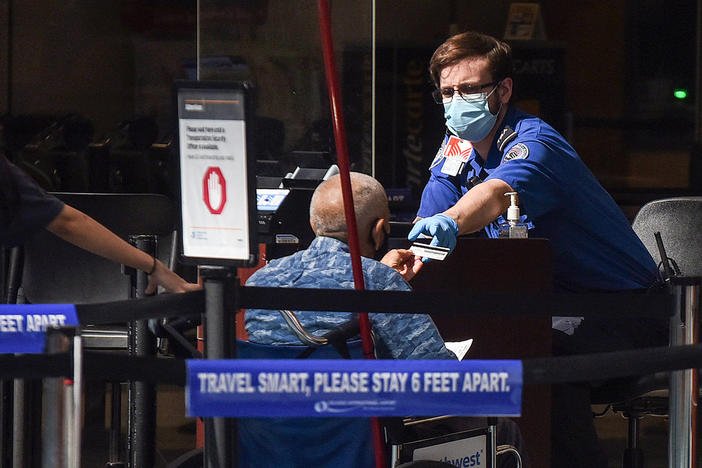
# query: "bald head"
[[327, 206]]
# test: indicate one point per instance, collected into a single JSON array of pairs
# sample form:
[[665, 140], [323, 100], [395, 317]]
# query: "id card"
[[456, 154], [452, 166], [434, 252]]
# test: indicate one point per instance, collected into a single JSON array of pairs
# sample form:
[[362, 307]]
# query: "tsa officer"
[[492, 148]]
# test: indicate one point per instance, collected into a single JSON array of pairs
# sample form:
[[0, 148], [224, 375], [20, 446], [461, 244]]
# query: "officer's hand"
[[441, 227]]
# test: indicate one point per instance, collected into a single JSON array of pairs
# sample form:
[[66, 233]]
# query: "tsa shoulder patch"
[[518, 151]]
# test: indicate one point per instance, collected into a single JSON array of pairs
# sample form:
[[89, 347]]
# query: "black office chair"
[[54, 271], [678, 221]]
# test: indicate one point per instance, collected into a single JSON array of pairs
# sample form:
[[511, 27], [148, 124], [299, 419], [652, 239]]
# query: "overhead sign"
[[352, 388]]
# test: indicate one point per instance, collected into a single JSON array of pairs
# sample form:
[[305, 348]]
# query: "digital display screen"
[[213, 164], [270, 199]]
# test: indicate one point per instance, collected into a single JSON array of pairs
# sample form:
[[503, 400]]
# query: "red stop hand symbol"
[[214, 190]]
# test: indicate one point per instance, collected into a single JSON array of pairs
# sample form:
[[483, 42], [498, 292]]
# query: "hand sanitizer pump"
[[515, 229]]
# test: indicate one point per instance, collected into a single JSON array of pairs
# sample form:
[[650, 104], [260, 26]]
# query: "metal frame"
[[141, 398], [62, 401], [682, 399], [220, 450]]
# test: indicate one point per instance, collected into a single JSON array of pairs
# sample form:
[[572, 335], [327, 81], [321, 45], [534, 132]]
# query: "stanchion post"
[[13, 423], [53, 427], [141, 421], [26, 422], [682, 406], [76, 404], [492, 434], [220, 308]]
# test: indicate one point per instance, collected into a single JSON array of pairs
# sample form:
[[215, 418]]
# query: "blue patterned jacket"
[[327, 264]]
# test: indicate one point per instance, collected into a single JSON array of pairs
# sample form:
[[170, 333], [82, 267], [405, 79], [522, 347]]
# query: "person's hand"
[[404, 262], [441, 227], [170, 281]]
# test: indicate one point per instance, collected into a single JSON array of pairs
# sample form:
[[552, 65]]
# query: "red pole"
[[343, 161]]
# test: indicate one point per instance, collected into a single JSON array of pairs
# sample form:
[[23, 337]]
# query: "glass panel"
[[89, 104], [276, 45], [87, 98]]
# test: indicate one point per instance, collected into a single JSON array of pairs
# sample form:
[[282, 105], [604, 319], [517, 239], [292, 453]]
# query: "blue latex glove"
[[441, 227]]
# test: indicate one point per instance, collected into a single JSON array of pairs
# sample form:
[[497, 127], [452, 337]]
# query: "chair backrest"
[[679, 220], [272, 442], [58, 272]]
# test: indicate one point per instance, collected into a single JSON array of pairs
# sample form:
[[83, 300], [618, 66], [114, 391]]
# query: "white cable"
[[502, 449]]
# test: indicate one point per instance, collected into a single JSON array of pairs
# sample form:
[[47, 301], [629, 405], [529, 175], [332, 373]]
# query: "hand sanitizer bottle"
[[514, 229]]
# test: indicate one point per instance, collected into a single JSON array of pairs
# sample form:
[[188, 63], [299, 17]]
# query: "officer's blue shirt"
[[326, 263], [593, 245]]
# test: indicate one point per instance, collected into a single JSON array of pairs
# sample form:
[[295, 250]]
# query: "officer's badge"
[[439, 156], [518, 151]]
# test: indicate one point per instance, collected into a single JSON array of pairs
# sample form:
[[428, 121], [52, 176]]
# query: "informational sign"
[[214, 181], [352, 388], [23, 327]]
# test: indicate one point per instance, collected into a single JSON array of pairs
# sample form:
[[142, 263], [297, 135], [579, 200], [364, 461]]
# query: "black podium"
[[480, 265]]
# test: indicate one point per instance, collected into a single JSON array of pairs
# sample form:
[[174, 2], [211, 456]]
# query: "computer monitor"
[[269, 200]]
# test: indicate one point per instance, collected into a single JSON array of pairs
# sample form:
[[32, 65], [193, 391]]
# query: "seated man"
[[327, 264], [342, 442]]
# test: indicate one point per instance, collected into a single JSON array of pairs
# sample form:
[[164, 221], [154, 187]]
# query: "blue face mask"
[[471, 121]]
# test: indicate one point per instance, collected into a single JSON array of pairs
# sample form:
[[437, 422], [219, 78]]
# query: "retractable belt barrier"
[[403, 385], [576, 368], [589, 305], [218, 389], [21, 326]]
